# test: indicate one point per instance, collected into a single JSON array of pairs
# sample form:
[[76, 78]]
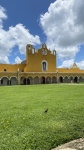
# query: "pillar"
[[57, 76], [51, 80], [18, 73]]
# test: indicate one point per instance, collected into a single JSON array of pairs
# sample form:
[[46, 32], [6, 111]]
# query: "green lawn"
[[25, 126]]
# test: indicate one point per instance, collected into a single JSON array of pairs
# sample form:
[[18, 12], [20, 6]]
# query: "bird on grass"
[[46, 110]]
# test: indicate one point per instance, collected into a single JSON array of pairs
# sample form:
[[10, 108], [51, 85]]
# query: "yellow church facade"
[[39, 68]]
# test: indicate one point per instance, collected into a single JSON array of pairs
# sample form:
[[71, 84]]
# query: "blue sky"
[[57, 23]]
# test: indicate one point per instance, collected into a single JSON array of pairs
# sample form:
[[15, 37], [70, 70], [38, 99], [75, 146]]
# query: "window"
[[44, 65], [4, 69], [29, 47]]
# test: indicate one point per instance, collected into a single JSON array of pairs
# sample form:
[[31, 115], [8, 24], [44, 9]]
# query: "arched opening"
[[4, 81], [66, 80], [48, 80], [61, 79], [54, 79], [24, 81], [80, 79], [75, 79], [42, 80], [13, 81], [36, 80], [28, 81], [44, 65]]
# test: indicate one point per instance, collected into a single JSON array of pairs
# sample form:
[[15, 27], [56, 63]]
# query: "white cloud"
[[17, 60], [80, 64], [4, 60], [67, 63], [2, 15], [63, 25], [15, 36], [21, 36]]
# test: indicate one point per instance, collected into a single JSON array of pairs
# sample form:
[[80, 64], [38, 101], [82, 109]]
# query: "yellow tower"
[[42, 60]]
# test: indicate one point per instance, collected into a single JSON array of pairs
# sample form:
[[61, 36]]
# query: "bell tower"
[[29, 51]]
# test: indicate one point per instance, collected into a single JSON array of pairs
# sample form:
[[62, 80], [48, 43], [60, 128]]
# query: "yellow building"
[[39, 68]]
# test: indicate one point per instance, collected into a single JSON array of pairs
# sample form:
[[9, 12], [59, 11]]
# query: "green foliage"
[[25, 126]]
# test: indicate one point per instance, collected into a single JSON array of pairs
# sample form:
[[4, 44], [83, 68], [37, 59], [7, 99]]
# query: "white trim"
[[66, 76], [12, 77], [4, 77], [80, 77]]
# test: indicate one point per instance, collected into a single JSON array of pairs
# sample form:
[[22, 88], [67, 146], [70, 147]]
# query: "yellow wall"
[[11, 68], [34, 61], [69, 70]]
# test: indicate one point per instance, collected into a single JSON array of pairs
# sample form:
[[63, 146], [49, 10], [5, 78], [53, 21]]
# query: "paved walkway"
[[73, 145]]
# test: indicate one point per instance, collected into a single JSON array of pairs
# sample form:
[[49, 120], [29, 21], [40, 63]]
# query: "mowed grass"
[[25, 126]]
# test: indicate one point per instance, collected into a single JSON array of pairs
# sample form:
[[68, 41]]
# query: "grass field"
[[25, 126]]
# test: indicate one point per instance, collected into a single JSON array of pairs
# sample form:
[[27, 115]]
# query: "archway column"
[[33, 80], [51, 80], [78, 80], [26, 80], [18, 73], [57, 77], [9, 82], [45, 80], [39, 81]]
